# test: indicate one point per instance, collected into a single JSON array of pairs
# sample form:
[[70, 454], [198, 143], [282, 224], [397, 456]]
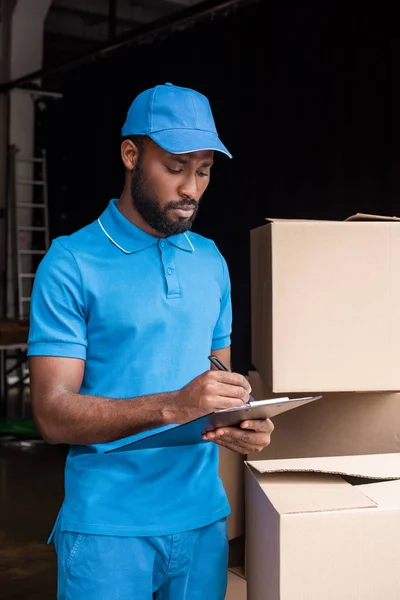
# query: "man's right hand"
[[212, 390], [65, 416]]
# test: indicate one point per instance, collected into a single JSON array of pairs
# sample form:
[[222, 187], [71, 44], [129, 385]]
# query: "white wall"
[[26, 57]]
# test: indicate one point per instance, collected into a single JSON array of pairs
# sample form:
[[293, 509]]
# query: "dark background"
[[305, 95]]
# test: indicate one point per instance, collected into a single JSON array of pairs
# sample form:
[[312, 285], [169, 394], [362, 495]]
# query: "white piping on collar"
[[113, 241], [126, 251], [187, 237]]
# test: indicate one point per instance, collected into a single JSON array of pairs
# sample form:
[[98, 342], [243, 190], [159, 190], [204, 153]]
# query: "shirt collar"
[[129, 238], [181, 241]]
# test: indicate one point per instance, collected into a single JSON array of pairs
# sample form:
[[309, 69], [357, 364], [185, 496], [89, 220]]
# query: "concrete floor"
[[31, 492]]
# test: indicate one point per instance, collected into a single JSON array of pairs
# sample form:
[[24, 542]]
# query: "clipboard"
[[191, 433]]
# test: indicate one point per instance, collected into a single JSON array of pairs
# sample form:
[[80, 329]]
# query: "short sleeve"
[[57, 316], [223, 327]]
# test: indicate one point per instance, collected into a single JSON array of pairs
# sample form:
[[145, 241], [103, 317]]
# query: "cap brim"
[[183, 141]]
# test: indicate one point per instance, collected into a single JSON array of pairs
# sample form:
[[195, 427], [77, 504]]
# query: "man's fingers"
[[235, 435], [230, 378], [233, 447], [225, 402], [239, 440], [227, 442], [262, 425], [233, 391]]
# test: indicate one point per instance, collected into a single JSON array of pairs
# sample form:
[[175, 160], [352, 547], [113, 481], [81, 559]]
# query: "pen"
[[218, 363], [221, 367]]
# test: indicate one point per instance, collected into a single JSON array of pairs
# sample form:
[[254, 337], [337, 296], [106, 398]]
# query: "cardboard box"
[[336, 425], [231, 472], [236, 587], [312, 533], [325, 305]]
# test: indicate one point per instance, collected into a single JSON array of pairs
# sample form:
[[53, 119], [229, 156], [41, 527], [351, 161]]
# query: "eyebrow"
[[185, 161]]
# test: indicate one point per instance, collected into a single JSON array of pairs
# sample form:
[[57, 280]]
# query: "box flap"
[[366, 217], [273, 220], [385, 493], [298, 493], [372, 466], [355, 217]]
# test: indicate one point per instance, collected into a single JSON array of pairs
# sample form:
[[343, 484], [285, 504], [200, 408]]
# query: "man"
[[124, 315]]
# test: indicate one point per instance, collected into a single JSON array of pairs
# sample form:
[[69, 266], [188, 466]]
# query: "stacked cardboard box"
[[231, 473], [236, 587], [323, 501], [232, 476], [325, 298], [339, 424]]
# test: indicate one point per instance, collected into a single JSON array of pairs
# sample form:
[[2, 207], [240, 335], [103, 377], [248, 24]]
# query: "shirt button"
[[162, 244], [169, 271]]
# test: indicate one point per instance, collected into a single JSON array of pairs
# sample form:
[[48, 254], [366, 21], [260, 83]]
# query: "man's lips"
[[184, 212]]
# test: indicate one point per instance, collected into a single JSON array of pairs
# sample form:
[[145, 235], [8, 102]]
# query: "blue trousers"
[[185, 566]]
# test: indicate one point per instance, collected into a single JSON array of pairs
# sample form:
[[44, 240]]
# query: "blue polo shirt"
[[144, 314]]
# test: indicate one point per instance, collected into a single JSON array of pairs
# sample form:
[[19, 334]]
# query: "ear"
[[129, 154]]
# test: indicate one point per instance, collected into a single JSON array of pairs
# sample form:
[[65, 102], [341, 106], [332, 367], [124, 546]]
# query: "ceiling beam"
[[165, 5], [89, 17], [141, 10], [187, 17]]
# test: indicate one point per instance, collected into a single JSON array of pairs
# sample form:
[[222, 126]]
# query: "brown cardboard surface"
[[330, 554], [338, 424], [278, 220], [325, 298], [373, 466], [315, 484], [347, 555], [291, 493], [238, 571], [386, 493], [262, 540], [231, 472], [366, 217], [236, 587]]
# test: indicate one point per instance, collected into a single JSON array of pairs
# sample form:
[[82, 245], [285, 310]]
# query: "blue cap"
[[177, 119]]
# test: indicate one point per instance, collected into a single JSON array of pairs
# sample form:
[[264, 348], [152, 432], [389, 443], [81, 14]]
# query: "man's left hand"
[[252, 436]]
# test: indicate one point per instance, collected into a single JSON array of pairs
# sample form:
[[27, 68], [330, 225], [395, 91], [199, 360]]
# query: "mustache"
[[188, 203]]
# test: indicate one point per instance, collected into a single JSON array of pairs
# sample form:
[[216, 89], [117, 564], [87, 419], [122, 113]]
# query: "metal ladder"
[[36, 221], [27, 241], [29, 219]]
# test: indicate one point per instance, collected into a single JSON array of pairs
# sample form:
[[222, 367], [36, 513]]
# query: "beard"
[[149, 209]]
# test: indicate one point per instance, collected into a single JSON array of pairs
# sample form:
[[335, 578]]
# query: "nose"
[[188, 188]]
